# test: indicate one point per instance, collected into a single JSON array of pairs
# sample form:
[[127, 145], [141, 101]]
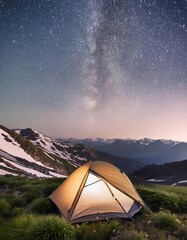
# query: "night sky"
[[94, 68]]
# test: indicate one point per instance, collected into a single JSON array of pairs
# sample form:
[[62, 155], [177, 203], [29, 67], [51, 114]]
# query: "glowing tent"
[[95, 191]]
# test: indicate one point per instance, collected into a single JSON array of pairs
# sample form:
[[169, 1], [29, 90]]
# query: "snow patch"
[[57, 175], [4, 165], [3, 172], [6, 155], [155, 180], [174, 184], [146, 141], [49, 156], [28, 170], [184, 181], [18, 131], [13, 148]]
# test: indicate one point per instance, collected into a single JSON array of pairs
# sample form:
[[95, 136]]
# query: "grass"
[[4, 207], [20, 227], [178, 191], [24, 202], [51, 228], [166, 221], [102, 230], [36, 227], [42, 205], [172, 198], [133, 235]]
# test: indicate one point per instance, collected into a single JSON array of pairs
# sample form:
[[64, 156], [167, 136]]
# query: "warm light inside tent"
[[91, 179], [100, 197]]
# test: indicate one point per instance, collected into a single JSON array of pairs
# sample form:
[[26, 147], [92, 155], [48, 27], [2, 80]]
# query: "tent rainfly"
[[97, 190]]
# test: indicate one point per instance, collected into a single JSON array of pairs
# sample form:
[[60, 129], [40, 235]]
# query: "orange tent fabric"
[[95, 191]]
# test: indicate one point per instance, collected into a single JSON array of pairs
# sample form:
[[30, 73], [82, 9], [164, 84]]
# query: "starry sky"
[[94, 68]]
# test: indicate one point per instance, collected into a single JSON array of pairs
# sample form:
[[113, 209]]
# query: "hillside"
[[30, 153], [174, 173], [146, 151], [25, 207], [18, 156], [76, 154]]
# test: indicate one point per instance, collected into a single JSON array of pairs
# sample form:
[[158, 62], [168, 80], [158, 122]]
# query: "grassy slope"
[[22, 195]]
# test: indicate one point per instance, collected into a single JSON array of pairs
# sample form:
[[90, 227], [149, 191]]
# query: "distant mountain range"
[[146, 151], [28, 152], [174, 173]]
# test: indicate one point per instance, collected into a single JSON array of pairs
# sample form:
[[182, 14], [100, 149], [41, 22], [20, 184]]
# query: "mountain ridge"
[[31, 153], [84, 152], [106, 141], [52, 157], [144, 150]]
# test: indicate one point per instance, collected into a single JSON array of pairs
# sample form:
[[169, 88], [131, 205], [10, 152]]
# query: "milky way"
[[93, 68]]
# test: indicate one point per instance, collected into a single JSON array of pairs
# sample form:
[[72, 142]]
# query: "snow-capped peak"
[[146, 141]]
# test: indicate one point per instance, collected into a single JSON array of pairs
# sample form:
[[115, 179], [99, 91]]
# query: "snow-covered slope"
[[76, 155], [12, 147], [18, 156]]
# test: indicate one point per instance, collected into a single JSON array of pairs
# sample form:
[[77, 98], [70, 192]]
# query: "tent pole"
[[76, 199]]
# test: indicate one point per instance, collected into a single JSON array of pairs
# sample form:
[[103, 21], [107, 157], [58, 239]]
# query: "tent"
[[97, 190]]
